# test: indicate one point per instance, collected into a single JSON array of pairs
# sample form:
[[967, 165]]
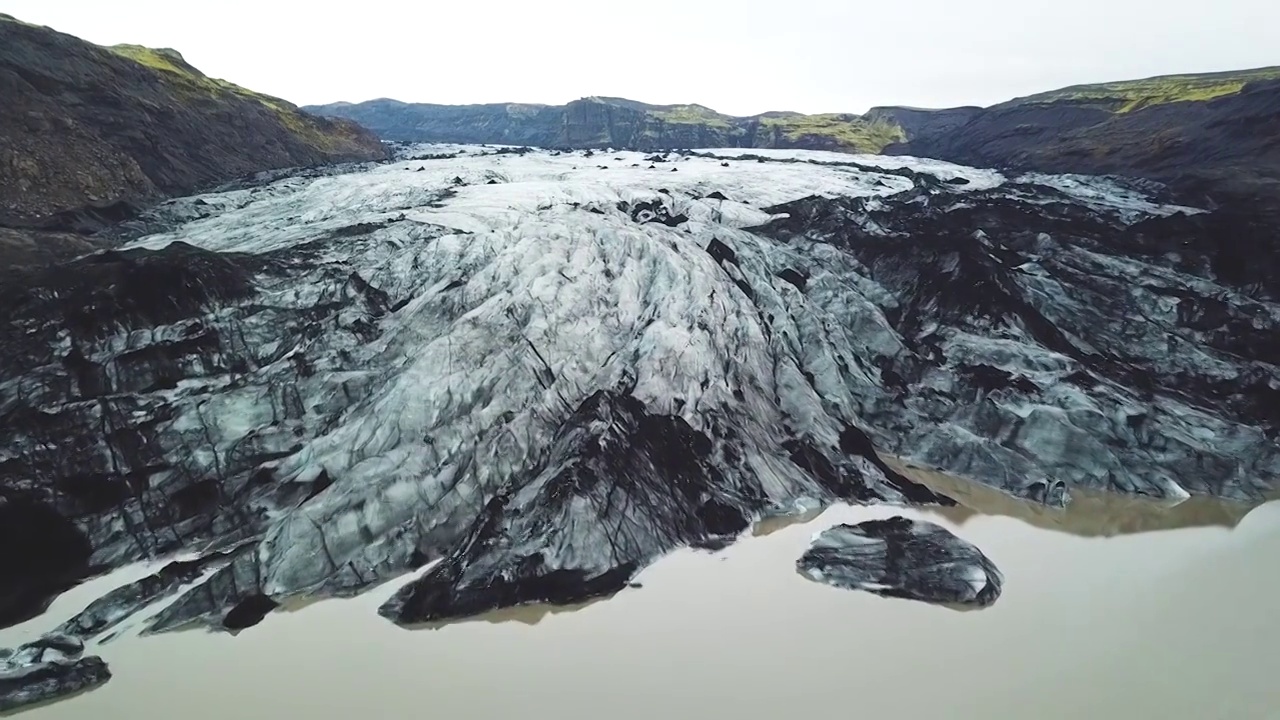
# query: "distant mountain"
[[1202, 132], [1218, 131], [85, 126], [599, 122]]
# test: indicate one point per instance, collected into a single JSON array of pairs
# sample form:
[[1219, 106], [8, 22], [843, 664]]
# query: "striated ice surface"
[[528, 374], [903, 558]]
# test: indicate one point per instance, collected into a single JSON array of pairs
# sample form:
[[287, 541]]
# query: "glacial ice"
[[526, 377]]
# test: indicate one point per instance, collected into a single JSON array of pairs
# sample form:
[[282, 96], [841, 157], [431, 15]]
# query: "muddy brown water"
[[1117, 608]]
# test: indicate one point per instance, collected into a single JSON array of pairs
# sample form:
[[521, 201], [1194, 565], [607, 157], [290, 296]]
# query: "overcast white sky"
[[737, 56]]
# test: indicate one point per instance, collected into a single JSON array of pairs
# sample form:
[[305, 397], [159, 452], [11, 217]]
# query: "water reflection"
[[778, 523], [523, 614], [1099, 618]]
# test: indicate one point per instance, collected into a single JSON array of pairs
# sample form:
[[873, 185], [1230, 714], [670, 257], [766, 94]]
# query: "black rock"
[[653, 211], [721, 253], [905, 559], [795, 278], [717, 195]]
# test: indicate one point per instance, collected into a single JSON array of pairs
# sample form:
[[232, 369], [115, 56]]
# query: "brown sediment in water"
[[1090, 513], [1099, 619]]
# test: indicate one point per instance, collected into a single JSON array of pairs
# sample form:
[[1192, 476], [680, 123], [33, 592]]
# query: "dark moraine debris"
[[622, 488], [45, 669], [653, 211], [279, 404], [359, 229], [795, 278], [903, 558], [109, 610]]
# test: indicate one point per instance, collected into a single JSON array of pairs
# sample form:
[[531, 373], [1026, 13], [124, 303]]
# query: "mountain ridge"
[[1167, 128], [86, 129], [599, 122], [1207, 136]]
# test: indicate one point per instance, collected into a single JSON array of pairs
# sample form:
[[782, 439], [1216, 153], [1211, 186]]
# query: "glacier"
[[527, 374]]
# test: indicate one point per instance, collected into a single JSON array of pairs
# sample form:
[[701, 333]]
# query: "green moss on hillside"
[[1127, 96], [167, 60], [693, 115], [195, 85], [849, 131]]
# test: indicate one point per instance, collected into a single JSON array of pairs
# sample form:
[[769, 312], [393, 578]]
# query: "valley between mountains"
[[501, 362]]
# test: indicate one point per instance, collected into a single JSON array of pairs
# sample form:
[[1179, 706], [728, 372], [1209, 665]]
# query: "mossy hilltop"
[[1131, 95], [1211, 134], [83, 125]]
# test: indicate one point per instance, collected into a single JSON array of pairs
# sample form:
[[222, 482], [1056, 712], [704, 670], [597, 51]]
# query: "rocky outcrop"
[[87, 130], [526, 378], [604, 122], [903, 558]]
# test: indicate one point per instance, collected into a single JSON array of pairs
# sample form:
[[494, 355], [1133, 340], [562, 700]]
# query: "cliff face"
[[916, 122], [600, 122], [500, 123], [1213, 132], [83, 125]]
